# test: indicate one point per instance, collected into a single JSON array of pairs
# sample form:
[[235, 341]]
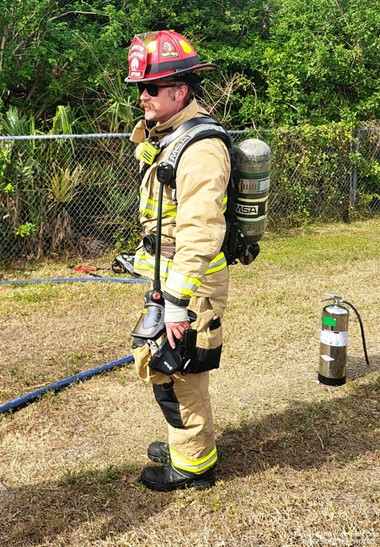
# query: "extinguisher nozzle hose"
[[361, 330]]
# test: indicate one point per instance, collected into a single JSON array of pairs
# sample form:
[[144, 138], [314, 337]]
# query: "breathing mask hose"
[[361, 330]]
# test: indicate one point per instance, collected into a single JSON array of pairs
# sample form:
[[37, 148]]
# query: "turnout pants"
[[185, 399], [185, 403]]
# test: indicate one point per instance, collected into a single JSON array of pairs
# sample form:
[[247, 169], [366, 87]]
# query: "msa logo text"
[[250, 210], [168, 365]]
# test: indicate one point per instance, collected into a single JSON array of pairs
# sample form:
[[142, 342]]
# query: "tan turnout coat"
[[194, 274]]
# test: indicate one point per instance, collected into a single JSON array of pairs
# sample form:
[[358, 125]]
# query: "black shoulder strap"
[[194, 130], [165, 141]]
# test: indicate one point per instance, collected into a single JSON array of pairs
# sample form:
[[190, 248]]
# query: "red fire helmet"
[[162, 54]]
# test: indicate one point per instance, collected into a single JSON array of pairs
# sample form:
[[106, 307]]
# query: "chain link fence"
[[78, 194]]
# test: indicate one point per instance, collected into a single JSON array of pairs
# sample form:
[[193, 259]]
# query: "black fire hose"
[[71, 280], [33, 396]]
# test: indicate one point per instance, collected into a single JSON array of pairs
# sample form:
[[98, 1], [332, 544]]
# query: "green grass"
[[336, 243]]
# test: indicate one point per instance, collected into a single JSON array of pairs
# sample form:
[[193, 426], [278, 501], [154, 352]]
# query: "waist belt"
[[168, 251]]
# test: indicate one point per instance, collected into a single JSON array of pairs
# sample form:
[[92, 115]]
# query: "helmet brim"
[[201, 67]]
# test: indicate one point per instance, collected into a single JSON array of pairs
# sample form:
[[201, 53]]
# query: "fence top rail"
[[78, 136], [64, 136], [232, 132]]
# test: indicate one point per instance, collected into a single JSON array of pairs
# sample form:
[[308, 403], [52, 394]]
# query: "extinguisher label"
[[331, 338], [329, 321]]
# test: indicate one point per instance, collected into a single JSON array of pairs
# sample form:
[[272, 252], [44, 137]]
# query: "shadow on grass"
[[101, 503], [357, 367], [88, 504], [306, 435]]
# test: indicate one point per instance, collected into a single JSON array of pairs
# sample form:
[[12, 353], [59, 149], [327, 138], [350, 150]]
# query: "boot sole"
[[198, 485], [205, 485]]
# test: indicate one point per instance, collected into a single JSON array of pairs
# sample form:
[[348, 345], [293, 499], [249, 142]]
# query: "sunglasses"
[[152, 89]]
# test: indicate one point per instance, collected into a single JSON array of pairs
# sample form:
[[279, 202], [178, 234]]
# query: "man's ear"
[[182, 91]]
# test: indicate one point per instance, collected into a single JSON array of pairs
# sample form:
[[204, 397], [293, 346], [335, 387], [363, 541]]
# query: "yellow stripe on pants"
[[192, 447], [193, 466]]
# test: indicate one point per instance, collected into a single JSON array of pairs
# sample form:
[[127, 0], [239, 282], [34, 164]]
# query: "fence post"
[[354, 147]]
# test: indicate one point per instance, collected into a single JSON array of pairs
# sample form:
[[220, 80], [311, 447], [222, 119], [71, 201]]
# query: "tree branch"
[[74, 12], [54, 18], [2, 46]]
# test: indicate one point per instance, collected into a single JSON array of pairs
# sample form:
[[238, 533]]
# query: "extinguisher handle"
[[336, 297]]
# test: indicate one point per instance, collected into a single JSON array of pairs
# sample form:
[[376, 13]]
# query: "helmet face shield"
[[162, 54]]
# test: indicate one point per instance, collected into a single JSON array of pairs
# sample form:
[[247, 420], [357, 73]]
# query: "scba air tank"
[[333, 346], [253, 160]]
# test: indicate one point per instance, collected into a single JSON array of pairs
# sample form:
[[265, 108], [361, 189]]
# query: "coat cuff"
[[174, 313]]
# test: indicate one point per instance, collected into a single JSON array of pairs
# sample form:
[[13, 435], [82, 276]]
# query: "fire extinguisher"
[[334, 340]]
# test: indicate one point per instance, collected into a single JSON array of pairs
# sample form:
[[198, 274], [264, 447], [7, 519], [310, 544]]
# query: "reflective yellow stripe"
[[217, 264], [193, 466], [145, 262], [182, 284], [149, 207], [224, 206]]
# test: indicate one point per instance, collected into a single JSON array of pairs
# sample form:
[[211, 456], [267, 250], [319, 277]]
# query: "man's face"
[[161, 99]]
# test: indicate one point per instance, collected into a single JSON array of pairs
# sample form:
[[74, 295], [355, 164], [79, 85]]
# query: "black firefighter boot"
[[167, 478], [159, 452]]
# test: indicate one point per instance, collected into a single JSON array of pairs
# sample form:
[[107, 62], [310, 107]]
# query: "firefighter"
[[193, 270]]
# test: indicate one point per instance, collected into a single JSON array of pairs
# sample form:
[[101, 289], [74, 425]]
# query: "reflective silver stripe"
[[149, 207], [145, 262], [193, 466], [217, 264], [182, 284]]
